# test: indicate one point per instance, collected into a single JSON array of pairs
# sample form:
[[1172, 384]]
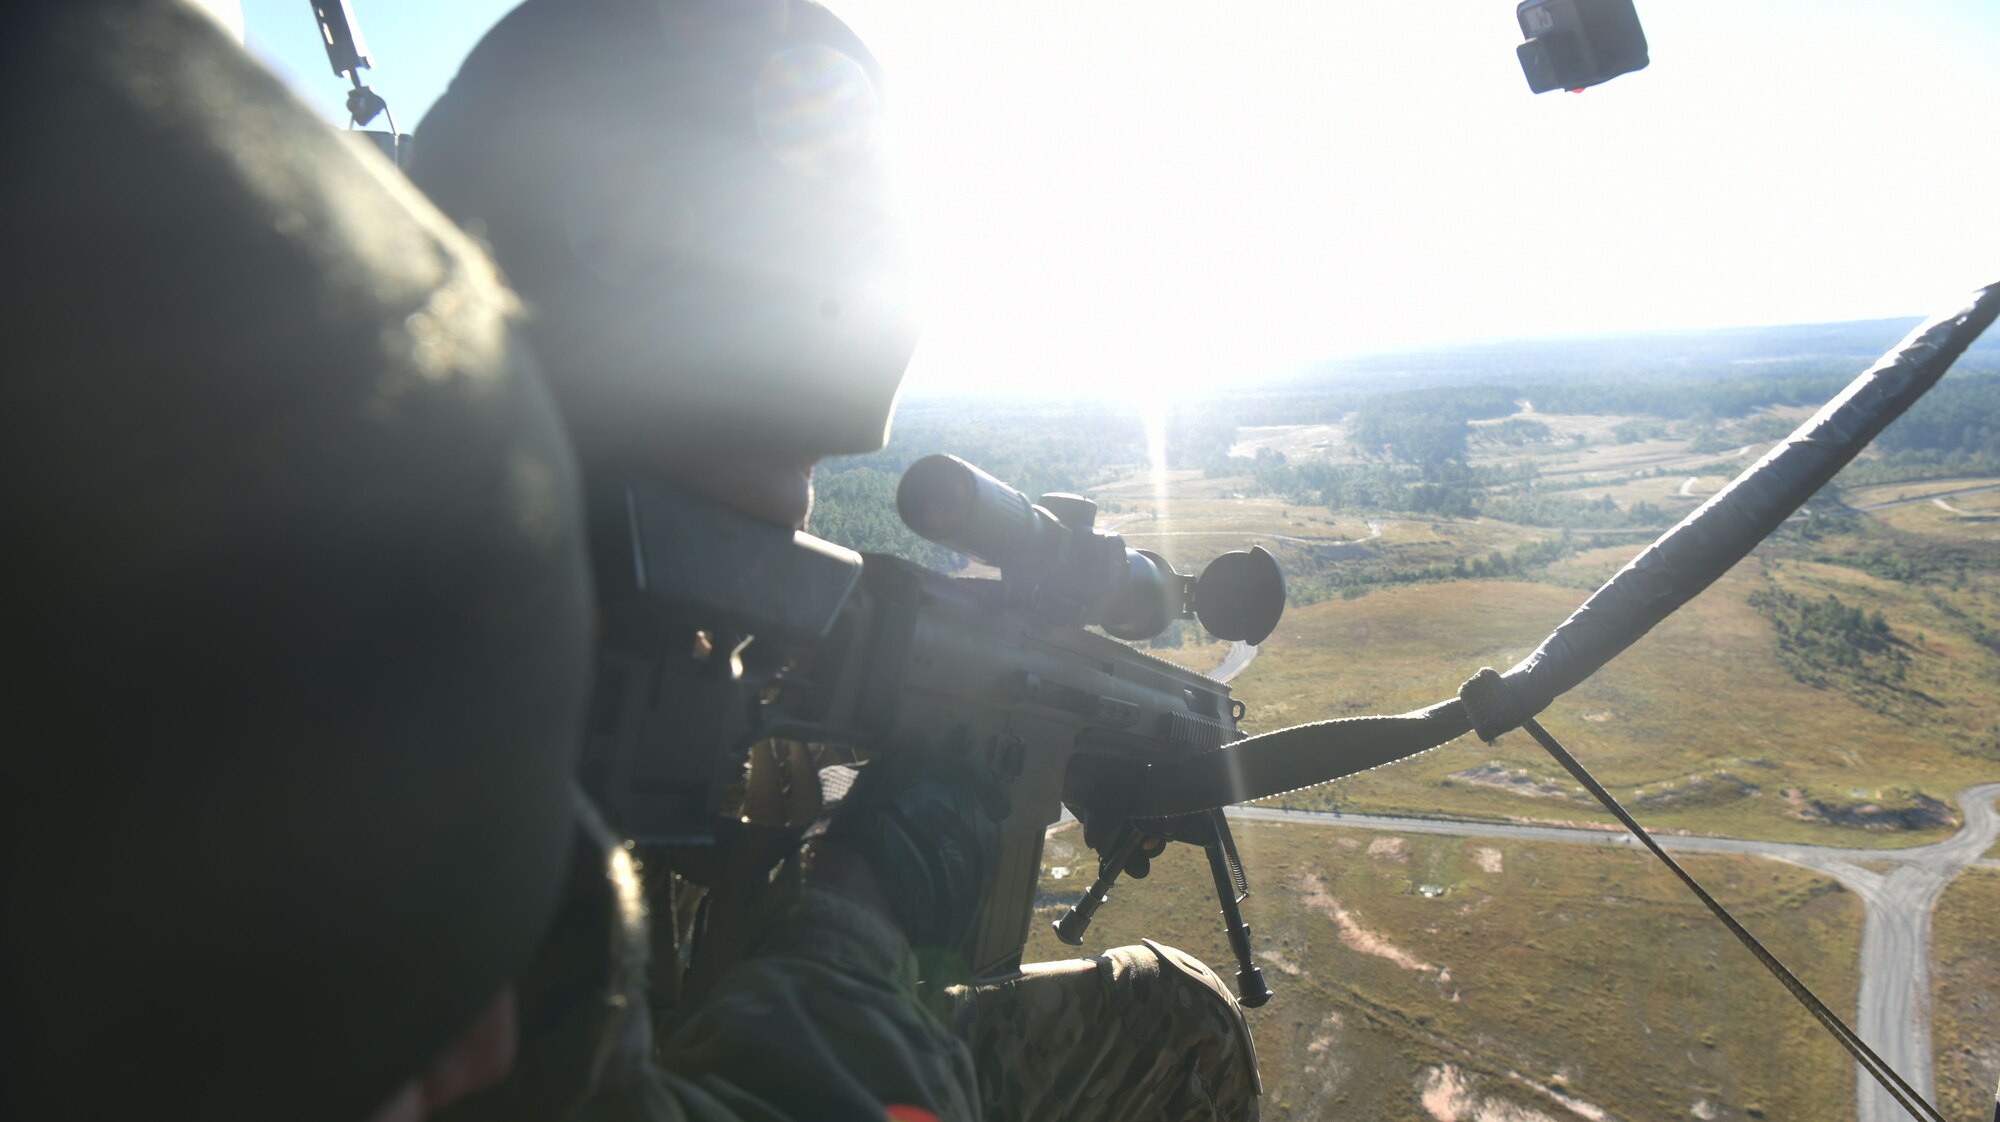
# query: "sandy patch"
[[1448, 1096], [1515, 782], [1390, 849], [1352, 935], [1280, 963], [1323, 1039], [1488, 858]]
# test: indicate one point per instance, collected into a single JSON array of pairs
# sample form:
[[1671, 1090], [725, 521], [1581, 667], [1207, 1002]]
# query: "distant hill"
[[1731, 352]]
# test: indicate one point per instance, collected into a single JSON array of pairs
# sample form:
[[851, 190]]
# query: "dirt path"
[[1240, 654]]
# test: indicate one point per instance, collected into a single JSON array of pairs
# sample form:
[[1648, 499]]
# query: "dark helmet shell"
[[297, 597], [692, 197]]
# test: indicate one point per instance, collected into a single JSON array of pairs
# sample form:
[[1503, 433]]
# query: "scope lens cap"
[[1240, 595]]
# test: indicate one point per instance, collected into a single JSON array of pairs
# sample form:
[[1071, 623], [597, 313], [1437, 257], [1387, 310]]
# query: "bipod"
[[1209, 830]]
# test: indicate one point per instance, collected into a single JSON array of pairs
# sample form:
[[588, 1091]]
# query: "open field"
[[1662, 456], [1195, 653], [1927, 520], [1701, 726], [1760, 733], [1836, 688], [1556, 981], [1966, 994], [1985, 502], [1861, 497], [1669, 490], [1295, 442]]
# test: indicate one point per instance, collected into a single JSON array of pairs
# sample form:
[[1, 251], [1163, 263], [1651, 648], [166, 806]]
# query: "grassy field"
[[1609, 461], [1772, 756], [1195, 653], [1430, 978], [1965, 994], [1700, 725], [1552, 980], [1915, 489]]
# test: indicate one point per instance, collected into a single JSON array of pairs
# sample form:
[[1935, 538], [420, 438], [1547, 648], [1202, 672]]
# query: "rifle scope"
[[1062, 566]]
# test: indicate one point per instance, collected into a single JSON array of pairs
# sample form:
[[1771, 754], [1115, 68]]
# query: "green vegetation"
[[1690, 398], [1539, 971], [1357, 579], [1515, 431], [1826, 643], [1965, 994], [1698, 727], [857, 508], [1958, 422], [1425, 426]]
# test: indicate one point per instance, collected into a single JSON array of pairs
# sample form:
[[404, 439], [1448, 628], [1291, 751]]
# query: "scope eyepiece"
[[1241, 595]]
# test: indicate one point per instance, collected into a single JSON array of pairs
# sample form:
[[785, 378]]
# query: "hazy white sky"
[[1126, 192]]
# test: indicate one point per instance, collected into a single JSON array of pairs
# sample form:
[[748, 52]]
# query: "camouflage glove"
[[928, 826]]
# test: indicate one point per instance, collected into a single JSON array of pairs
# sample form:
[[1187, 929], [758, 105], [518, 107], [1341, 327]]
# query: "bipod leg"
[[1076, 921], [1230, 888]]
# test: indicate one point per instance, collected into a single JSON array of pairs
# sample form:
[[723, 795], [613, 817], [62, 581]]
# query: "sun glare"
[[1126, 199], [1153, 416]]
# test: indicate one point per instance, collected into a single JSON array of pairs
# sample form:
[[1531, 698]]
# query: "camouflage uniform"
[[1144, 1032], [822, 1017]]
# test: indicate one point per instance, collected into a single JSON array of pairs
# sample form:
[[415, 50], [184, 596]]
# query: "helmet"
[[297, 590], [692, 197]]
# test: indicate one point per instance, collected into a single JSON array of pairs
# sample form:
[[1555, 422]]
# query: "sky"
[[1139, 195]]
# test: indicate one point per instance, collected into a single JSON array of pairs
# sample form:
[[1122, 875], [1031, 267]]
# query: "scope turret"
[[1056, 561]]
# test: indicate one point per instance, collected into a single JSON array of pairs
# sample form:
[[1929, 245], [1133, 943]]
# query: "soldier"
[[690, 195], [299, 574], [298, 599]]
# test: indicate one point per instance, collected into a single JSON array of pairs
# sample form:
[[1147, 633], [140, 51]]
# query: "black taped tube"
[[1689, 557], [1288, 759]]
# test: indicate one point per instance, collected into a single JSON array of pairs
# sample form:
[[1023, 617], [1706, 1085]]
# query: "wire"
[[1873, 1064]]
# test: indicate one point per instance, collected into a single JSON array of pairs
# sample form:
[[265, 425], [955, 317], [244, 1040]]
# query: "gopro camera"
[[1577, 43]]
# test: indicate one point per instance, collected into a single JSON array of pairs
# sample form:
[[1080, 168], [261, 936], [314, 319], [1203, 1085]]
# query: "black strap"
[[1875, 1065]]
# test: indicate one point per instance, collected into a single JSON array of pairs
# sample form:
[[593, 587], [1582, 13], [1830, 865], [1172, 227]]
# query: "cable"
[[1875, 1065]]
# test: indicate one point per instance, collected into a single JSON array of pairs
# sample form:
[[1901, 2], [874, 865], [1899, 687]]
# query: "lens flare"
[[1153, 416]]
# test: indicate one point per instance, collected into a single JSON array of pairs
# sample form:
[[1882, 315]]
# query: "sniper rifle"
[[779, 635]]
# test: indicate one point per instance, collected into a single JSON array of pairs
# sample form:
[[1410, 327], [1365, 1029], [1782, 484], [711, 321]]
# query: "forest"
[[1420, 452]]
